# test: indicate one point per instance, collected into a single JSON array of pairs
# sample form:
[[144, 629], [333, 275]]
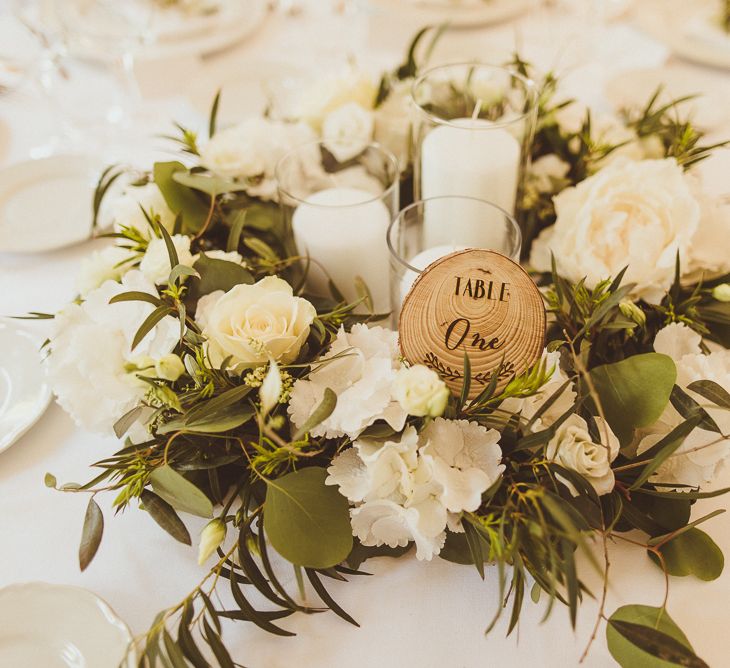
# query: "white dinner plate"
[[46, 204], [24, 391], [58, 626], [689, 29], [464, 14]]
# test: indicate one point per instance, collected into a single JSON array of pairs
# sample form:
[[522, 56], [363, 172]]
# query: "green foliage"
[[179, 492], [182, 200], [634, 392], [307, 522], [640, 636], [691, 552]]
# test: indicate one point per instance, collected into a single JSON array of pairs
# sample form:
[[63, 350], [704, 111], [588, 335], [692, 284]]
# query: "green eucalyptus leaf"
[[634, 392], [181, 199], [711, 391], [692, 553], [91, 534], [49, 480], [179, 492], [641, 636], [218, 275], [307, 522], [210, 184], [122, 425], [164, 514]]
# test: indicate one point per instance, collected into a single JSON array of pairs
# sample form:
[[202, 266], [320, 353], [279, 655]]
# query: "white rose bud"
[[632, 312], [155, 264], [722, 292], [420, 391], [214, 533], [347, 130], [170, 367], [271, 388]]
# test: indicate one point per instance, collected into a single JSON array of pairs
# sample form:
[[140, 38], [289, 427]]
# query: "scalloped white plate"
[[24, 391], [467, 15], [46, 204], [57, 626], [688, 29]]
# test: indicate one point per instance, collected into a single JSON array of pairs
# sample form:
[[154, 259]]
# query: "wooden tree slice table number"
[[477, 302]]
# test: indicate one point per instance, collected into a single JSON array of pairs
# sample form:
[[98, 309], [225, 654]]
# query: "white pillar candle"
[[421, 261], [471, 158], [344, 229]]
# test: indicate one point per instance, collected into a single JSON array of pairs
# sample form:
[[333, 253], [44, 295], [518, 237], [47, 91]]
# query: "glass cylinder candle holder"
[[472, 134], [338, 201], [412, 250]]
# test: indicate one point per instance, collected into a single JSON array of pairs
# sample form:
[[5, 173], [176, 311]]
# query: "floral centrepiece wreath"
[[293, 422]]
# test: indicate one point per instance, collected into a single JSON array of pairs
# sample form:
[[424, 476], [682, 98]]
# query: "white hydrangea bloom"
[[703, 454], [90, 345], [362, 378], [155, 263], [529, 406], [466, 461]]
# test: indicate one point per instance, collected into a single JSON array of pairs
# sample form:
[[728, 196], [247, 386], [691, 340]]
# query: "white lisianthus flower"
[[703, 454], [226, 256], [169, 367], [251, 150], [639, 214], [420, 391], [334, 90], [213, 534], [91, 366], [255, 323], [155, 263], [362, 375], [109, 264], [347, 130], [466, 461], [127, 209], [721, 292], [529, 406], [573, 448]]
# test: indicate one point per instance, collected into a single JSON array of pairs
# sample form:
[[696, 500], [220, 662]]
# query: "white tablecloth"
[[425, 615]]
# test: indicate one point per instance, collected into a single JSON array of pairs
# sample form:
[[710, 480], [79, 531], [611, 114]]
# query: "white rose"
[[251, 151], [127, 209], [155, 263], [703, 454], [109, 264], [529, 406], [638, 214], [333, 90], [91, 357], [362, 375], [573, 448], [347, 130], [420, 391], [255, 323]]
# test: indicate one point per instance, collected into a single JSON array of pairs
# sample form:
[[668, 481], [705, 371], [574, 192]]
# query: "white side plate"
[[468, 14], [24, 392], [46, 204], [57, 626]]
